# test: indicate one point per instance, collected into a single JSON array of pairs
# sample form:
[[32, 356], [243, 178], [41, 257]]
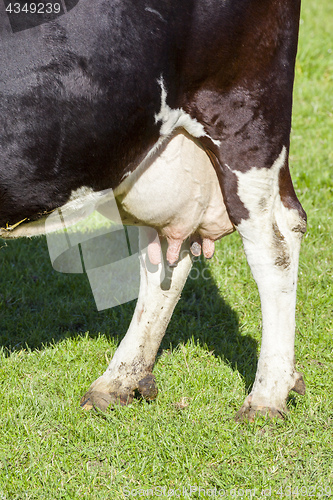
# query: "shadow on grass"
[[40, 307], [203, 316]]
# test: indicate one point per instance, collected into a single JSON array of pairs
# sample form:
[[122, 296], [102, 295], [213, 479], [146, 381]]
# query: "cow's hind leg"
[[271, 235], [131, 367]]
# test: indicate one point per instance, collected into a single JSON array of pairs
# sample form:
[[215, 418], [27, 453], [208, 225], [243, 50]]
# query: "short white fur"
[[177, 118], [258, 189]]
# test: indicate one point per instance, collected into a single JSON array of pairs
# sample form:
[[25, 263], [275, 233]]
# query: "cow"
[[183, 109]]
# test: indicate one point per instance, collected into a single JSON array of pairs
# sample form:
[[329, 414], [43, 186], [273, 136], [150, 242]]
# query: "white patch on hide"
[[272, 250], [258, 189], [178, 118], [81, 192]]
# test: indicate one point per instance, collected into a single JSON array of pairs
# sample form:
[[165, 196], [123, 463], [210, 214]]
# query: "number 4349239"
[[34, 8]]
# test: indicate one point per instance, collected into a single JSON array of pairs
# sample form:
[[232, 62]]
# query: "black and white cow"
[[184, 110]]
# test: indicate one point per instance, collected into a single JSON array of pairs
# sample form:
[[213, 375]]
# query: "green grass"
[[55, 343]]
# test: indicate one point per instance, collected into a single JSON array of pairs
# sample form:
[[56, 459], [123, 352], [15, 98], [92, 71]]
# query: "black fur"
[[79, 94]]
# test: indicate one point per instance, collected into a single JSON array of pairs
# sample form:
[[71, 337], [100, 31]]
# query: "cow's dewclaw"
[[299, 386], [147, 387]]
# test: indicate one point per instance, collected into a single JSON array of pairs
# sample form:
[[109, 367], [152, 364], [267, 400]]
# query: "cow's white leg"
[[131, 366], [271, 236]]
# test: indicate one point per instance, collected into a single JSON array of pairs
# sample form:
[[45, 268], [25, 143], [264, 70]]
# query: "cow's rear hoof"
[[248, 413]]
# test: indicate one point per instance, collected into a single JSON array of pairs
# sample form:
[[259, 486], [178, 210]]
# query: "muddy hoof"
[[94, 399], [147, 387], [299, 386], [248, 413]]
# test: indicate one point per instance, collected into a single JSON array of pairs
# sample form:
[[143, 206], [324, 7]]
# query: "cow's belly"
[[177, 193]]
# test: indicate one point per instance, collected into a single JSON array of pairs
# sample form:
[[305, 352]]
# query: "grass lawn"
[[54, 344]]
